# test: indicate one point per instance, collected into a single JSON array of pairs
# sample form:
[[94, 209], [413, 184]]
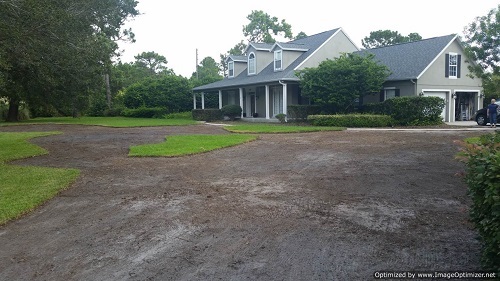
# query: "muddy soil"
[[312, 206]]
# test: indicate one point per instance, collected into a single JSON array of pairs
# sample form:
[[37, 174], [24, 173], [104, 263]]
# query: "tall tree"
[[482, 38], [262, 25], [154, 62], [54, 51], [300, 35], [387, 37], [208, 72], [336, 84]]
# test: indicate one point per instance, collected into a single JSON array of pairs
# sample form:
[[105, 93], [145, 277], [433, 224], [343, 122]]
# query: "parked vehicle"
[[482, 118]]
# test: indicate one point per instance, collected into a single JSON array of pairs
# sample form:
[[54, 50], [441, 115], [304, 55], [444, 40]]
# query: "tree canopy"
[[153, 62], [54, 51], [387, 37], [336, 84], [262, 25], [482, 38]]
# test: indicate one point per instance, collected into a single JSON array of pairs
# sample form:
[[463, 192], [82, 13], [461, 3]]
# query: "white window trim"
[[385, 91], [449, 66], [275, 52], [229, 64], [254, 64]]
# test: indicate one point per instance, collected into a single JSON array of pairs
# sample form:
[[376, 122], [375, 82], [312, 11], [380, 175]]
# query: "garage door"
[[439, 95]]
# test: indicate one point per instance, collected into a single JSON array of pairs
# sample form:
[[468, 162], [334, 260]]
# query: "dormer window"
[[251, 63], [277, 59], [230, 68]]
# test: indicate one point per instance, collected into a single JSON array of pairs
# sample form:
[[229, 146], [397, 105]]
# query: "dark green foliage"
[[300, 112], [482, 176], [145, 112], [211, 114], [336, 84], [231, 111], [387, 37], [168, 91], [351, 120], [410, 111], [180, 115]]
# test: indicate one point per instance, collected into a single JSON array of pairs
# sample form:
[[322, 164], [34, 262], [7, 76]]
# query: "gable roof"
[[409, 60], [311, 43], [236, 58]]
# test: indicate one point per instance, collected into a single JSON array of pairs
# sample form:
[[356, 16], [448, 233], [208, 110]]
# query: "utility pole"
[[197, 63]]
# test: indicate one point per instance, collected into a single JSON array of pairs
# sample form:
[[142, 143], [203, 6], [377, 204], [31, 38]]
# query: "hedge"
[[412, 111], [300, 112], [351, 120], [210, 114], [144, 112], [483, 179]]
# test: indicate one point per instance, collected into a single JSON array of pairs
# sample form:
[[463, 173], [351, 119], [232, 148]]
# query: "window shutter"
[[447, 66], [397, 93], [459, 64]]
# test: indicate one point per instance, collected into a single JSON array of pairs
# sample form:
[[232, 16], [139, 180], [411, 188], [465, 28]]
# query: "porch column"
[[452, 110], [202, 100], [194, 100], [285, 97], [267, 103], [241, 101], [220, 99]]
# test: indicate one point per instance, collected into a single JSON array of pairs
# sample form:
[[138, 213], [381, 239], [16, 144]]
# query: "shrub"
[[300, 112], [210, 114], [482, 170], [281, 117], [351, 120], [232, 111], [180, 115], [412, 111], [145, 112]]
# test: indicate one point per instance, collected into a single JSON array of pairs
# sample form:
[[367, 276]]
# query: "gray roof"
[[291, 46], [237, 58], [267, 75], [408, 60]]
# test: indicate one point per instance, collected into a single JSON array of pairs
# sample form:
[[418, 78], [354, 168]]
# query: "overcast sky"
[[176, 29]]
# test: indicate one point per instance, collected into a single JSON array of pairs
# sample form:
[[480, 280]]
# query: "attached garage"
[[445, 95]]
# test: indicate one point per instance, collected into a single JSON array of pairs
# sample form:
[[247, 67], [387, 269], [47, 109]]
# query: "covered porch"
[[262, 102]]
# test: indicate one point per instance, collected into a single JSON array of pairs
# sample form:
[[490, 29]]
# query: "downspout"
[[415, 86]]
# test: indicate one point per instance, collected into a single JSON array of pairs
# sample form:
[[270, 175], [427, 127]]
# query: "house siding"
[[434, 77], [289, 57], [336, 45], [239, 67]]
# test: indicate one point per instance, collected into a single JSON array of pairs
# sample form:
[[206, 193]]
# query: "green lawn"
[[23, 188], [107, 121], [189, 144], [258, 128]]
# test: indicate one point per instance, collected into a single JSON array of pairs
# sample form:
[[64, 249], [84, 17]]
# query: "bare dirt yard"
[[310, 206]]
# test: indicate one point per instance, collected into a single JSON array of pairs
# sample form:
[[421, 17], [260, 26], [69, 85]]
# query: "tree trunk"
[[108, 90], [13, 114]]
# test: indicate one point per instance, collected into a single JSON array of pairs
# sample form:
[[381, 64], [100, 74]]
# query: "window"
[[389, 93], [452, 65], [251, 63], [277, 60], [230, 68]]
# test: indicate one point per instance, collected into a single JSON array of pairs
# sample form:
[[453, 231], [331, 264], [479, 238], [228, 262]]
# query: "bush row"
[[410, 111], [300, 112], [482, 177], [208, 115], [351, 120], [145, 112]]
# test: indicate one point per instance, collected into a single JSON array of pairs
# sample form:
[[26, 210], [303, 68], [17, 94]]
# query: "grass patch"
[[119, 122], [23, 188], [277, 128], [189, 144]]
